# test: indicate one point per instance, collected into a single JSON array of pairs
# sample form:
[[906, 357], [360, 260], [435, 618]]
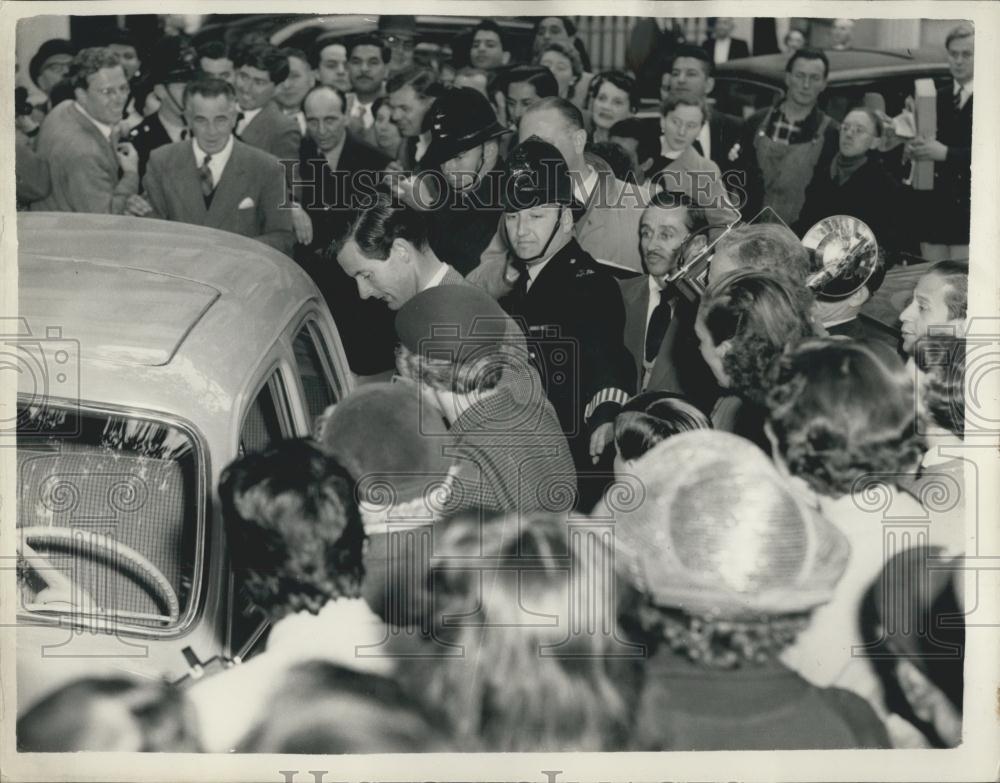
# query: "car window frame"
[[199, 582]]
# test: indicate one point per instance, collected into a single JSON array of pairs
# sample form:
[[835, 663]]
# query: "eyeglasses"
[[400, 43], [114, 92]]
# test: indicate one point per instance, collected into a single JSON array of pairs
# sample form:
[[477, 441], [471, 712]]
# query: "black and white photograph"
[[402, 396]]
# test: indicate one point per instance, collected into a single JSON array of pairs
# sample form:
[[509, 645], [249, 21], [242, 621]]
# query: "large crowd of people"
[[560, 306]]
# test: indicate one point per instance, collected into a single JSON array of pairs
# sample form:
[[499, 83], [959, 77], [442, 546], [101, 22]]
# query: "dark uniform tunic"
[[146, 137], [575, 322]]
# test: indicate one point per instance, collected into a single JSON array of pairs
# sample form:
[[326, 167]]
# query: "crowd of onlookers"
[[632, 495]]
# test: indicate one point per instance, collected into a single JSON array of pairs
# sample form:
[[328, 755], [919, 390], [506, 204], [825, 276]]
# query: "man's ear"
[[566, 219], [506, 58], [401, 249], [709, 85], [579, 140]]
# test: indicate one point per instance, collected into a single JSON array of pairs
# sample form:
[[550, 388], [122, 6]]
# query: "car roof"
[[845, 65], [145, 299]]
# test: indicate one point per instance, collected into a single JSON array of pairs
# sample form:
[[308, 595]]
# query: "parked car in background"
[[151, 355], [744, 86], [437, 36]]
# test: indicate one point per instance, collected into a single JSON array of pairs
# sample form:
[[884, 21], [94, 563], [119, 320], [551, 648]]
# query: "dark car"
[[436, 35], [744, 86]]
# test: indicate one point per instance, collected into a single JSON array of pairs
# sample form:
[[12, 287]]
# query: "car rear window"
[[742, 97], [109, 516]]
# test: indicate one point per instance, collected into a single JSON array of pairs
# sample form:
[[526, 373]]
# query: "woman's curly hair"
[[720, 643], [759, 313], [839, 412], [294, 531]]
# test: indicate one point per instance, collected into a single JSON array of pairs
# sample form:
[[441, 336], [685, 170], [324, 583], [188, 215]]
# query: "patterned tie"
[[656, 329], [207, 183]]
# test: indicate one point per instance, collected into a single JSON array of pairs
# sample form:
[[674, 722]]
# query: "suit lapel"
[[636, 304], [93, 130]]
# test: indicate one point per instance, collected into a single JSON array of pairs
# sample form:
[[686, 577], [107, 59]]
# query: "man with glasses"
[[400, 34], [47, 68], [92, 170], [783, 145]]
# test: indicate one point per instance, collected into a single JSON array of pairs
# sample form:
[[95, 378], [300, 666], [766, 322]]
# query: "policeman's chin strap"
[[552, 236]]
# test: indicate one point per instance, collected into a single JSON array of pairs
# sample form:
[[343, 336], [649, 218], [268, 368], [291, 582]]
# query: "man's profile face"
[[325, 119], [689, 78], [408, 110], [929, 307], [461, 171], [662, 231], [549, 126], [332, 68], [392, 280], [217, 68], [211, 120]]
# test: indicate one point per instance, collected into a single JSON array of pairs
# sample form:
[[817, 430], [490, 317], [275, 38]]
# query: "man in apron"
[[785, 143]]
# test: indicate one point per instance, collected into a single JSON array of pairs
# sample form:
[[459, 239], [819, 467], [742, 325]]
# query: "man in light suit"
[[90, 169], [261, 123], [659, 322], [216, 180]]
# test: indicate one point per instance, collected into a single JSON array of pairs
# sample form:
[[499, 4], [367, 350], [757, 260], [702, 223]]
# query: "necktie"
[[656, 329], [957, 99], [237, 130], [521, 286], [207, 183], [698, 148], [184, 134]]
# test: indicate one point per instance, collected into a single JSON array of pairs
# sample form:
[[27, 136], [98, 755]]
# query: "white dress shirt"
[[583, 189], [438, 277], [247, 118], [218, 162], [721, 52], [364, 111]]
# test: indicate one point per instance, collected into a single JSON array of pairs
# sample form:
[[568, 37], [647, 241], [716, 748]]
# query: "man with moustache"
[[367, 65], [659, 322], [260, 123]]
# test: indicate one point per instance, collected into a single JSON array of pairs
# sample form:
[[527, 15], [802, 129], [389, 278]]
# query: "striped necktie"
[[207, 183]]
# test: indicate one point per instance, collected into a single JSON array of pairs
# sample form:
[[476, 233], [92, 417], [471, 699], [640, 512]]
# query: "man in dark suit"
[[691, 76], [337, 176], [260, 122], [945, 229], [721, 46], [173, 65], [215, 180], [659, 322], [569, 304]]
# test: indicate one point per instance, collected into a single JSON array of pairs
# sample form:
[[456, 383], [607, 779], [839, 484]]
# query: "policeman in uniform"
[[174, 64], [570, 306]]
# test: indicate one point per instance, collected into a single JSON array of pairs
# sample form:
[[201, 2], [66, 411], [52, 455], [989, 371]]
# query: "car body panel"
[[83, 276]]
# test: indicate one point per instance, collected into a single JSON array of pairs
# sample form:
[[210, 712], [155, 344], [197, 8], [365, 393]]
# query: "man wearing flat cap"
[[571, 306], [465, 148], [174, 63], [457, 344]]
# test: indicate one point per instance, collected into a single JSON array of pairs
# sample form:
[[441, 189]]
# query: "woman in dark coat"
[[856, 184]]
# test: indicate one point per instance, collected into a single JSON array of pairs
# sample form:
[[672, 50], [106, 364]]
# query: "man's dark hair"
[[493, 27], [294, 531], [956, 277], [538, 76], [695, 218], [615, 157], [376, 228], [694, 53], [336, 91], [645, 135], [569, 111], [214, 50], [423, 81], [809, 54], [298, 54], [264, 57], [88, 62], [369, 40], [209, 87], [623, 81]]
